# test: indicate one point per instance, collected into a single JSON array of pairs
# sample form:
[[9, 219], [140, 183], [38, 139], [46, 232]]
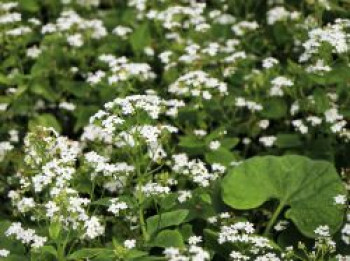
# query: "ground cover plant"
[[147, 130]]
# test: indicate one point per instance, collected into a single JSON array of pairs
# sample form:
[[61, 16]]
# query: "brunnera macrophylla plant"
[[182, 130]]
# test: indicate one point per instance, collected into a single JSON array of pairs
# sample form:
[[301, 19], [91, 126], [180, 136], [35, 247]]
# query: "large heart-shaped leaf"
[[306, 186]]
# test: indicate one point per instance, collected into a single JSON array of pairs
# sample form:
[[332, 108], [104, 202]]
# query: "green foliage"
[[306, 187]]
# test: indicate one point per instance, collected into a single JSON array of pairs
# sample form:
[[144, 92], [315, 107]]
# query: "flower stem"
[[143, 225], [274, 218]]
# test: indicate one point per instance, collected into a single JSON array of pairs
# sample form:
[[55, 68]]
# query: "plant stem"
[[60, 253], [274, 218], [143, 225]]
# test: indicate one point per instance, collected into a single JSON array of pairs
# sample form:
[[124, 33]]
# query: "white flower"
[[322, 231], [264, 124], [3, 106], [340, 200], [67, 106], [117, 206], [269, 62], [5, 147], [198, 84], [319, 67], [149, 51], [93, 228], [4, 252], [75, 40], [244, 26], [130, 243], [237, 256], [212, 220], [51, 209], [281, 225], [25, 204], [33, 52], [194, 240], [267, 141], [151, 189], [200, 133], [184, 195], [26, 236], [225, 215], [171, 251], [214, 145], [122, 31], [279, 13], [300, 126]]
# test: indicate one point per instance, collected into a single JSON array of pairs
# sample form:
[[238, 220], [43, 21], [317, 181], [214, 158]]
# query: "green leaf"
[[134, 253], [229, 143], [29, 5], [186, 231], [221, 155], [168, 238], [211, 242], [44, 90], [192, 144], [140, 38], [286, 140], [274, 108], [306, 186], [49, 249], [54, 230], [167, 219], [83, 114], [45, 120], [89, 253]]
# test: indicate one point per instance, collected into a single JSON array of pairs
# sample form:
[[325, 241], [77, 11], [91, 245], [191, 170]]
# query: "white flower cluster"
[[198, 84], [279, 13], [324, 240], [100, 165], [192, 16], [277, 85], [120, 70], [52, 159], [4, 252], [193, 253], [122, 31], [221, 17], [222, 217], [184, 195], [154, 189], [333, 34], [243, 27], [250, 105], [269, 62], [345, 232], [7, 15], [26, 236], [336, 120], [243, 233], [58, 156], [75, 28], [5, 147], [319, 67], [94, 228], [224, 53], [116, 206], [196, 170], [115, 127]]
